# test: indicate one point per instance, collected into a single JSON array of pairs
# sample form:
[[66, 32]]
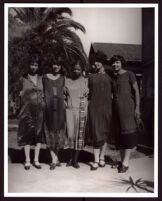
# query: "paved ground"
[[69, 180], [63, 179]]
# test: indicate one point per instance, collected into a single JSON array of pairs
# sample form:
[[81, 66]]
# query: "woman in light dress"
[[76, 89]]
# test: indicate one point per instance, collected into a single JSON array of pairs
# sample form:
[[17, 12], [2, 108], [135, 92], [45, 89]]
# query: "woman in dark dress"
[[127, 108], [31, 116], [99, 110], [55, 116]]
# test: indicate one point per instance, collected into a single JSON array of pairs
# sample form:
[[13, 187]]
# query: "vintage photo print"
[[81, 100]]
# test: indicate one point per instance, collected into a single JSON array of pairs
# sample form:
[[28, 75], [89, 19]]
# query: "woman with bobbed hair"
[[55, 116], [31, 116], [127, 108], [99, 110], [76, 89]]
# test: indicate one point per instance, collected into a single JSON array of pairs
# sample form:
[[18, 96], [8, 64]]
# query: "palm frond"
[[51, 37], [52, 13], [67, 22], [69, 36], [21, 14]]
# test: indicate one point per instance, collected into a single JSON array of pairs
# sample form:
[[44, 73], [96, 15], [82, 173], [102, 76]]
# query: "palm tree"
[[29, 18], [49, 32], [58, 39]]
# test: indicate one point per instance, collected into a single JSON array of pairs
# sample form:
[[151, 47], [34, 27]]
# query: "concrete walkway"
[[69, 180]]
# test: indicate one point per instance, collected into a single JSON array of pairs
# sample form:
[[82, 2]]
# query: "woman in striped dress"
[[76, 93]]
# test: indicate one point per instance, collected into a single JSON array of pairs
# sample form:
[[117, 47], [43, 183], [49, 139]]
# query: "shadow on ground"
[[17, 156], [140, 183]]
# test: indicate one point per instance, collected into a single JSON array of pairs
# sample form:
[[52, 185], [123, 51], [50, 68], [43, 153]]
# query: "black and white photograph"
[[81, 100]]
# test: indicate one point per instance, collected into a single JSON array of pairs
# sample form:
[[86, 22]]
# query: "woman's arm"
[[137, 100], [66, 93]]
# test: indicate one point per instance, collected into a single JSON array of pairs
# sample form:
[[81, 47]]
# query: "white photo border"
[[103, 5]]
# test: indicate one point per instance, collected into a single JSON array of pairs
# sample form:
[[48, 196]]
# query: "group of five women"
[[57, 110]]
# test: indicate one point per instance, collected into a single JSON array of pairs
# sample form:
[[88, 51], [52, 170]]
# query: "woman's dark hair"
[[118, 58], [34, 58], [57, 61], [54, 60], [100, 57], [80, 64], [31, 60]]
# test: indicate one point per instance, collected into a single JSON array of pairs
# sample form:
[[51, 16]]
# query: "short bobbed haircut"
[[118, 58], [56, 61], [80, 63], [34, 58], [30, 60], [100, 57]]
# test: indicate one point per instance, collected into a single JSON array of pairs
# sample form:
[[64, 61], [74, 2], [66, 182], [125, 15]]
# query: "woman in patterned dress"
[[55, 116], [76, 92], [127, 107], [31, 116]]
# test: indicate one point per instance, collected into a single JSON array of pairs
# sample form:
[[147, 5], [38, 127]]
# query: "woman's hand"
[[137, 113]]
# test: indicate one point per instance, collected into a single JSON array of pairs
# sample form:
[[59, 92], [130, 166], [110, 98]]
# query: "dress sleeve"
[[66, 84], [132, 78], [20, 85], [86, 90], [66, 93], [89, 86]]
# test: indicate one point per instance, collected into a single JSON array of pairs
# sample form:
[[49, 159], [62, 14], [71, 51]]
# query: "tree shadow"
[[140, 183]]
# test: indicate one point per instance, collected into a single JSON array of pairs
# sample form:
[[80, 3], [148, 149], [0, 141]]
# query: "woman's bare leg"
[[122, 154], [54, 156], [96, 157], [127, 153], [102, 155], [103, 151], [37, 151], [27, 154]]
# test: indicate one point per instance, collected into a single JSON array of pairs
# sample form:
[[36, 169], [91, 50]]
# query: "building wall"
[[147, 99]]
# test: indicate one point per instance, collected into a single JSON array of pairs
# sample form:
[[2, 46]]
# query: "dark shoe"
[[123, 168], [37, 165], [70, 163], [76, 165], [26, 166], [102, 163], [58, 164], [52, 166], [119, 164], [114, 164], [94, 167]]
